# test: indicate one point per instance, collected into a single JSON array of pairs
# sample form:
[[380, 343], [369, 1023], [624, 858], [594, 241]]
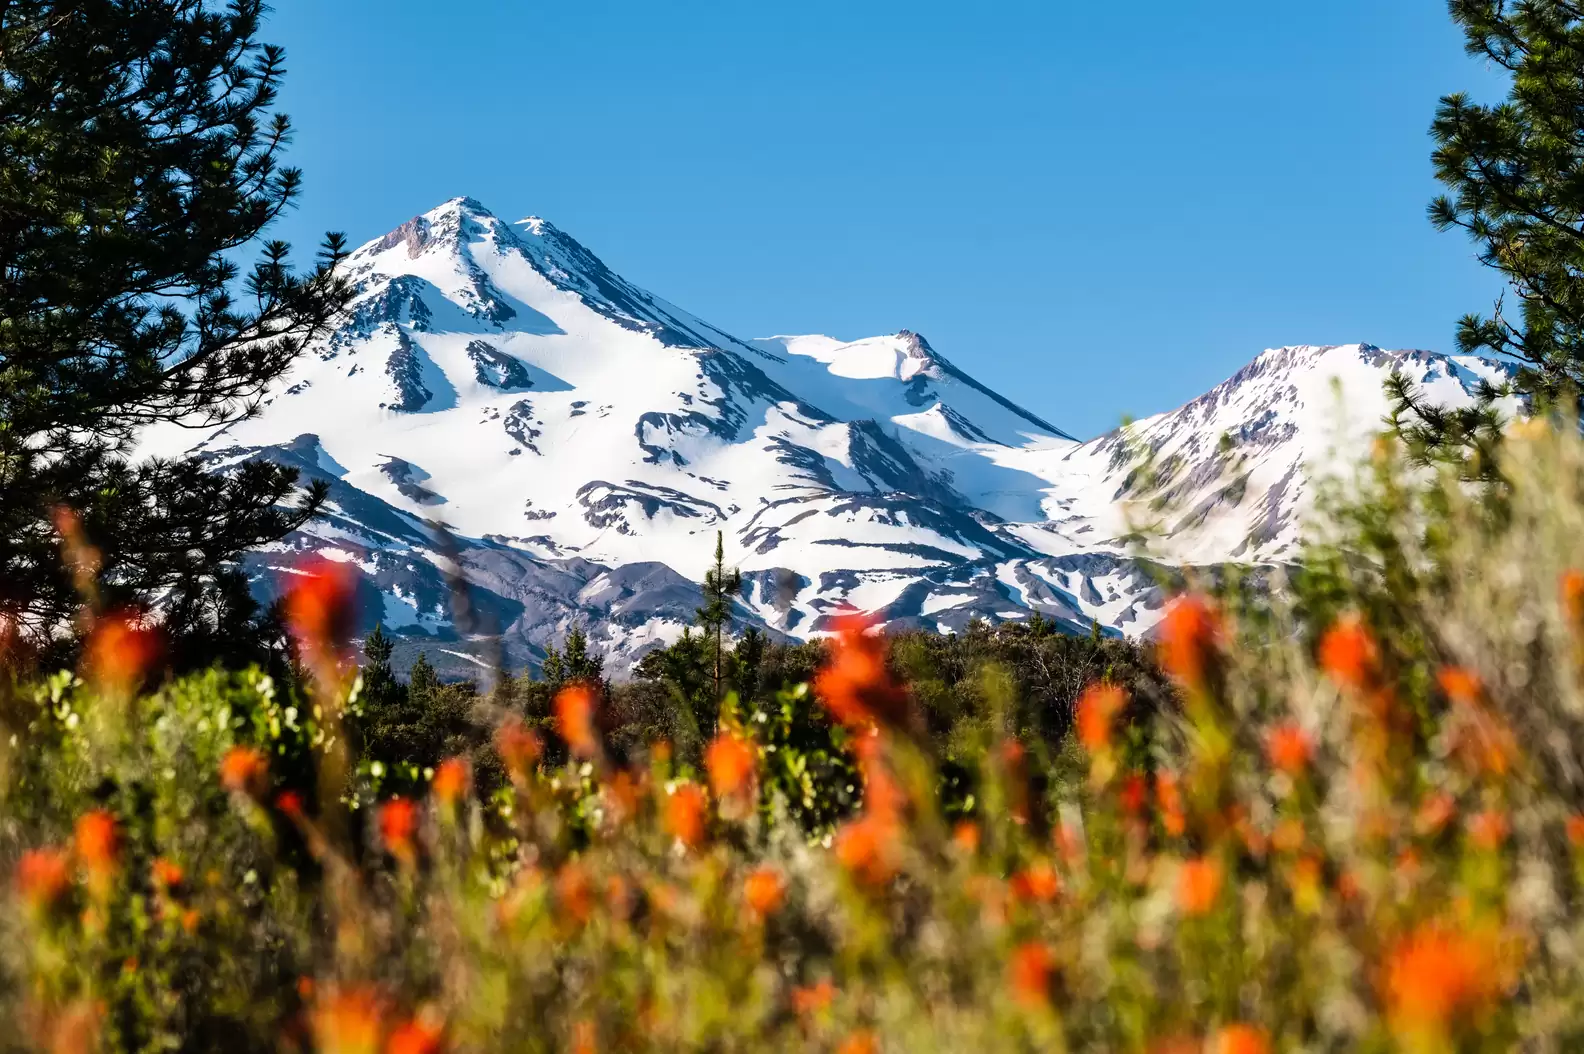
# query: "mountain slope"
[[498, 400]]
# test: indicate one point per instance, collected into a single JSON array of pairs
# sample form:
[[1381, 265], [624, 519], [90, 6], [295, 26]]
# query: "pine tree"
[[140, 156], [422, 682], [379, 680], [1515, 175], [573, 662], [720, 587]]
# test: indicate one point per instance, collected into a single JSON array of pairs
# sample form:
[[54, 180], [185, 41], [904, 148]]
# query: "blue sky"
[[1099, 210]]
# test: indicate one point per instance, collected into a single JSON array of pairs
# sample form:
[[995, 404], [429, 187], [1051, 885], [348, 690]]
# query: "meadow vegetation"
[[1344, 814]]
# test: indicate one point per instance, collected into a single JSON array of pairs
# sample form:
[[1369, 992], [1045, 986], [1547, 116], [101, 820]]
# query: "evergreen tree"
[[422, 683], [573, 662], [720, 587], [379, 680], [1515, 176], [140, 156]]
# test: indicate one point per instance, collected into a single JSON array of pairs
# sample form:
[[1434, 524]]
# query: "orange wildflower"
[[1097, 708], [1460, 684], [1037, 882], [166, 873], [42, 877], [1575, 831], [685, 813], [451, 781], [574, 892], [1029, 973], [320, 608], [122, 647], [348, 1022], [1240, 1039], [1189, 635], [1198, 885], [1572, 589], [730, 761], [574, 708], [1435, 973], [96, 841], [290, 804], [1134, 795], [1289, 748], [814, 998], [1435, 813], [854, 684], [965, 836], [518, 746], [1168, 795], [416, 1036], [398, 822], [583, 1038], [764, 890], [1348, 653], [244, 769], [860, 1042], [1489, 829], [866, 847]]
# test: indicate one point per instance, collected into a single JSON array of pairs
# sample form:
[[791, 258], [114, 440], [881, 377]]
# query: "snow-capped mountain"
[[581, 440]]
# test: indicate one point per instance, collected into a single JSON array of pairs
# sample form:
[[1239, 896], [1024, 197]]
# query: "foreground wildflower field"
[[1358, 823]]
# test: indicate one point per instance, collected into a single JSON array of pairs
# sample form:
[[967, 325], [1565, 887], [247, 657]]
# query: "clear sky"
[[1098, 209]]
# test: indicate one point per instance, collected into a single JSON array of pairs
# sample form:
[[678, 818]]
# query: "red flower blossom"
[[417, 1036], [1348, 654], [518, 746], [166, 873], [245, 770], [398, 823], [574, 891], [764, 890], [42, 877], [1134, 795], [1289, 748], [290, 804], [1434, 973], [860, 1042], [1189, 635], [1198, 886], [321, 608], [1571, 587], [1575, 831], [814, 998], [730, 761], [574, 707], [1240, 1039], [97, 842], [1168, 795], [867, 848], [1461, 685], [1029, 973], [122, 648], [854, 684], [451, 781], [1097, 708], [965, 836], [684, 814], [1488, 830], [1037, 882], [349, 1022]]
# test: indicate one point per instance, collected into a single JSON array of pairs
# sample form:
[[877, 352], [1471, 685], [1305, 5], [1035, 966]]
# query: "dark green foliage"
[[1515, 176], [379, 680], [408, 731], [720, 588], [572, 662], [139, 156]]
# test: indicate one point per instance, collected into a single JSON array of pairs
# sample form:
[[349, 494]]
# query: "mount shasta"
[[581, 441]]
